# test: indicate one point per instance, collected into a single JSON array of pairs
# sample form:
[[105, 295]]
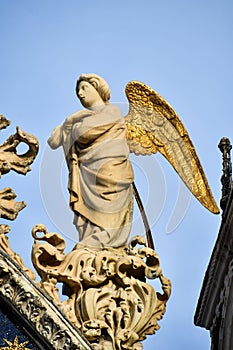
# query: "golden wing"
[[153, 125]]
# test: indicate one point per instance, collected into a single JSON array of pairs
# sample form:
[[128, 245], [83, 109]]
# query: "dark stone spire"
[[226, 178]]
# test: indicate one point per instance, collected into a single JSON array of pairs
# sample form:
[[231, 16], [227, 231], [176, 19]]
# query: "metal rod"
[[144, 218]]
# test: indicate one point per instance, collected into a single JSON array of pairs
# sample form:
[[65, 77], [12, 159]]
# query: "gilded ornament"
[[15, 345], [153, 125]]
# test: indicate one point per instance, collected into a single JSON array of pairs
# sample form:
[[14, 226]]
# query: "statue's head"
[[98, 83]]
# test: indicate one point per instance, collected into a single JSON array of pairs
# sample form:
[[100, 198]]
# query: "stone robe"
[[100, 175]]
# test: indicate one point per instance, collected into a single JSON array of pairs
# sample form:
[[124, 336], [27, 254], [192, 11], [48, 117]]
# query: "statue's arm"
[[55, 140], [75, 117]]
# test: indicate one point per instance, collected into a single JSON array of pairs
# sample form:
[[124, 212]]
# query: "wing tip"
[[212, 207], [216, 211]]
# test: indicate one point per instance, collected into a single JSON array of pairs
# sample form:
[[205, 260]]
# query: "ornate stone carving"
[[45, 323], [9, 159], [226, 179], [9, 208], [4, 123], [20, 163], [108, 297], [5, 247]]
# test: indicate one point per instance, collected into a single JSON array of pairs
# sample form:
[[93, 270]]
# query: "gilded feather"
[[153, 125]]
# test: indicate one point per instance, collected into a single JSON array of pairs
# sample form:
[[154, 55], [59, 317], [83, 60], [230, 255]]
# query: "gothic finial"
[[226, 179]]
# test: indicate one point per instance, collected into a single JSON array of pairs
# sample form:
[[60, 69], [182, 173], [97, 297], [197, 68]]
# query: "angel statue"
[[97, 141]]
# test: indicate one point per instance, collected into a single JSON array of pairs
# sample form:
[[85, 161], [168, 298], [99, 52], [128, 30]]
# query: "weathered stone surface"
[[45, 323], [9, 208], [214, 310], [108, 297], [9, 158], [5, 247], [20, 295]]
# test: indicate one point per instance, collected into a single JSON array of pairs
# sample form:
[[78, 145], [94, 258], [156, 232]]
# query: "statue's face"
[[88, 95]]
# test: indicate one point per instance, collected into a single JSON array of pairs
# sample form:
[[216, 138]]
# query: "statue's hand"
[[74, 118], [55, 139], [58, 133]]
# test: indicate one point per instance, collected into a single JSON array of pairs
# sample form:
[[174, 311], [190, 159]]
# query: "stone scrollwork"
[[48, 326], [5, 247], [9, 158], [20, 163], [108, 297], [9, 208]]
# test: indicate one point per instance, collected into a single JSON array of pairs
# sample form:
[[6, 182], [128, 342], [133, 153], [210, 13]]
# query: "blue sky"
[[181, 49]]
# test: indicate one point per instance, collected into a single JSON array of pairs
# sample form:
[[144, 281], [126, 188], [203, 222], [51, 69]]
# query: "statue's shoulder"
[[113, 110]]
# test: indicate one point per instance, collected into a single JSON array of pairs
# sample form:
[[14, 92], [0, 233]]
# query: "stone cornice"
[[39, 316]]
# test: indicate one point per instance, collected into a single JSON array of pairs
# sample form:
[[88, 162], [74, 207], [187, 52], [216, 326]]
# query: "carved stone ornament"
[[20, 163], [9, 159], [109, 300], [45, 324], [9, 208], [226, 178]]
